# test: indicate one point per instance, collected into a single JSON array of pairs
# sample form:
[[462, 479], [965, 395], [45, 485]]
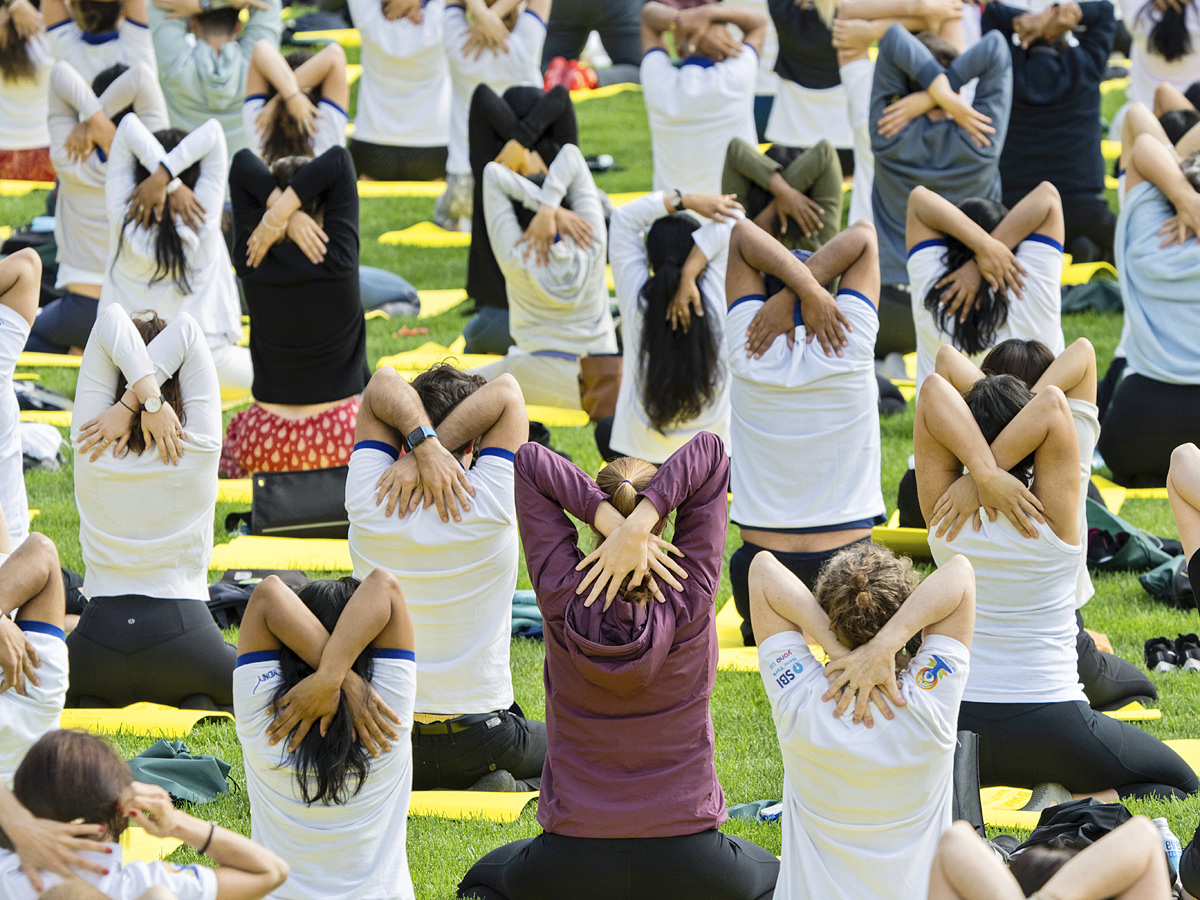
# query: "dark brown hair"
[[149, 325], [96, 16], [994, 401], [283, 136], [218, 22], [861, 588], [1026, 360], [622, 480], [1036, 865], [69, 775], [285, 168], [441, 389], [15, 62]]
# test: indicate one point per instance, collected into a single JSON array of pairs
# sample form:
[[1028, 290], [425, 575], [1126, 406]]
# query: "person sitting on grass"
[[551, 243], [670, 279], [146, 509], [849, 796], [630, 667], [1026, 572], [500, 47], [296, 249], [69, 776], [981, 274], [458, 576], [33, 652], [793, 195], [94, 35], [927, 134], [83, 122], [1128, 863], [1109, 681], [697, 109], [25, 64], [810, 396], [323, 694], [164, 194], [1154, 407], [204, 54]]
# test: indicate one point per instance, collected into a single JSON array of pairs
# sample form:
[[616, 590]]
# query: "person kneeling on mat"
[[458, 576], [630, 794]]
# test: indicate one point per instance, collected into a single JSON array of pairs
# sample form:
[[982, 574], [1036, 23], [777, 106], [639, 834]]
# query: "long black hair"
[[978, 331], [1169, 36], [681, 370], [170, 258], [325, 766]]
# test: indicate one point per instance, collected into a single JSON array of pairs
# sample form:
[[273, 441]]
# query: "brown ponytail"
[[622, 480]]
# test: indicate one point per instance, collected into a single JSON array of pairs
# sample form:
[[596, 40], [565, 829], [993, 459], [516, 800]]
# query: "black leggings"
[[62, 324], [897, 333], [1146, 420], [383, 162], [1109, 681], [549, 867], [805, 566], [131, 649], [1023, 744]]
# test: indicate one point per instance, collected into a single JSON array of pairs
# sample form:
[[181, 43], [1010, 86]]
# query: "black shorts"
[[384, 162], [132, 649]]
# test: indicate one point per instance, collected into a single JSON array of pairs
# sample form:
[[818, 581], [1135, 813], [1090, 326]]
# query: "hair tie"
[[627, 481]]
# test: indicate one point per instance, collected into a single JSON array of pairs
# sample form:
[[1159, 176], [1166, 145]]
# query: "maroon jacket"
[[630, 738]]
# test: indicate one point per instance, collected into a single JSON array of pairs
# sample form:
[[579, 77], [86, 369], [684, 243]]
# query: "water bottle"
[[1171, 844]]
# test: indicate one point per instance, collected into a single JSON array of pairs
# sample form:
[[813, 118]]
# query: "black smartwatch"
[[418, 435]]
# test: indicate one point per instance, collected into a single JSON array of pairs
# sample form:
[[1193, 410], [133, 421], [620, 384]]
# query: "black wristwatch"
[[418, 436], [678, 200]]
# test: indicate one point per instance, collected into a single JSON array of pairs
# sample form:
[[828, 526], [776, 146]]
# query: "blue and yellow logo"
[[929, 676]]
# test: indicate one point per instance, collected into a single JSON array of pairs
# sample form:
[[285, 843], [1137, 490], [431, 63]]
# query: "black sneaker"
[[1187, 651], [1161, 655]]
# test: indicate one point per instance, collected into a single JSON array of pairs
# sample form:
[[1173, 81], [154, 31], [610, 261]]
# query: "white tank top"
[[1024, 645]]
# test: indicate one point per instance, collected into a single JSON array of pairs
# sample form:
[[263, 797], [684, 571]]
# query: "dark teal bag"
[[1115, 545], [196, 779]]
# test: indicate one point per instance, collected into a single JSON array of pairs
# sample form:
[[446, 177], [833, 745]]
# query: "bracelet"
[[291, 95], [173, 185], [212, 829], [127, 406], [267, 221]]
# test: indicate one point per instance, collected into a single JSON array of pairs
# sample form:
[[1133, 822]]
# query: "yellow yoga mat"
[[1111, 183], [1135, 712], [556, 416], [1114, 84], [256, 552], [425, 234], [620, 199], [1121, 494], [139, 718], [432, 354], [347, 37], [353, 73], [912, 542], [492, 807], [60, 417], [608, 91], [732, 655], [14, 188], [234, 490], [65, 360], [434, 303], [371, 190], [1082, 273], [1110, 150], [5, 232], [137, 846]]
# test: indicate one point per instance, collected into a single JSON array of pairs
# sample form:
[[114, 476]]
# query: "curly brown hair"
[[861, 588], [622, 480]]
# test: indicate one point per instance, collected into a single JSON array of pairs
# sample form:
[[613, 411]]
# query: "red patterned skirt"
[[261, 441], [26, 165]]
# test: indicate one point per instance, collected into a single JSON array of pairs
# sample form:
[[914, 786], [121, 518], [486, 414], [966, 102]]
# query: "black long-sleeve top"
[[308, 340], [806, 54], [1055, 129]]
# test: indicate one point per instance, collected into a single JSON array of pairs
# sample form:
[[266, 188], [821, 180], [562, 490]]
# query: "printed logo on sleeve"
[[265, 679], [784, 668], [937, 668], [176, 869]]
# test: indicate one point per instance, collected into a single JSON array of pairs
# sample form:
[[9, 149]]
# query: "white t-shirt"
[[23, 720], [499, 71], [91, 54], [798, 410], [130, 270], [694, 112], [1025, 630], [146, 528], [23, 103], [125, 881], [1037, 315], [802, 116], [14, 332], [404, 92], [1087, 428], [331, 124], [864, 808], [355, 851], [458, 578], [632, 433], [1147, 70]]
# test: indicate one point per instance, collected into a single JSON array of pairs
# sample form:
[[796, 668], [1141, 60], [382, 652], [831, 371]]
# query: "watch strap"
[[418, 436]]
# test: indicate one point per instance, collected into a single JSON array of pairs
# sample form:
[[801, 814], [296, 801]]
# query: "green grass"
[[747, 755]]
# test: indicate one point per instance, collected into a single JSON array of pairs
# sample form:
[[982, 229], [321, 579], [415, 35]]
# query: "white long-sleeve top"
[[144, 527], [213, 301], [23, 103], [81, 217], [562, 306], [91, 54], [632, 433], [404, 95]]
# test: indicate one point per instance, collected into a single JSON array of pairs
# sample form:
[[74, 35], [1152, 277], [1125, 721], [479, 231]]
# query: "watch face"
[[152, 405]]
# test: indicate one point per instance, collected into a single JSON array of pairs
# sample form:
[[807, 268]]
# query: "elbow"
[[386, 584], [278, 870], [334, 51], [1050, 192], [263, 49], [510, 387]]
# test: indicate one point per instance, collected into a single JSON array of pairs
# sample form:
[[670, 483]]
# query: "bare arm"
[[1183, 490], [1073, 372], [1167, 97], [956, 368]]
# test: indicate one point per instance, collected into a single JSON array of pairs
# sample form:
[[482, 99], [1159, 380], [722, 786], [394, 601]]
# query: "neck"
[[217, 42]]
